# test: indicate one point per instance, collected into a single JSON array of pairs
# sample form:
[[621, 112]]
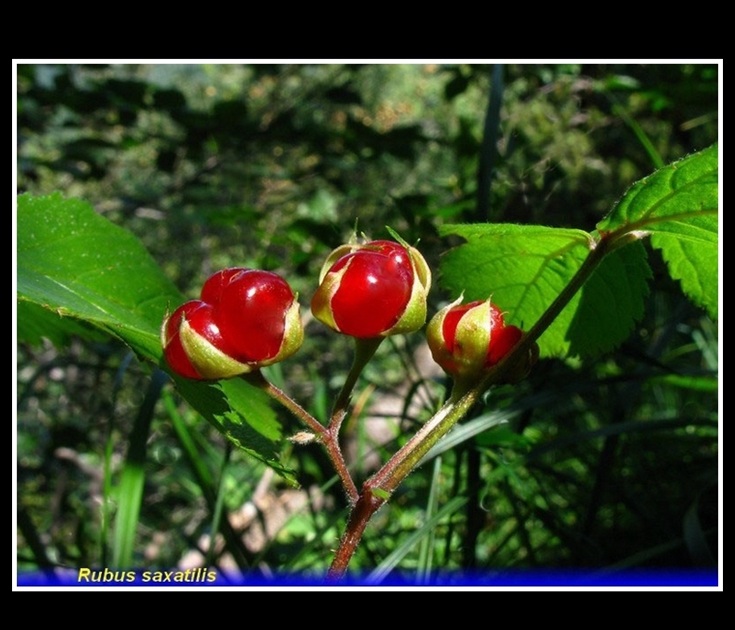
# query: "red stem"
[[327, 436], [361, 514]]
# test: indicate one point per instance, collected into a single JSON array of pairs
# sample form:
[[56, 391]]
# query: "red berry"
[[215, 284], [372, 290], [246, 319], [504, 338], [251, 312], [452, 317], [372, 295], [197, 315]]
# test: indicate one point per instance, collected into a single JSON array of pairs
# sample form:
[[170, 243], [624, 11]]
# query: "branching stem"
[[328, 436], [378, 488]]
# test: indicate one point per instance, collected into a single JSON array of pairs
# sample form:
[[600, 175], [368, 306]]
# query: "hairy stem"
[[361, 514], [257, 379], [326, 435]]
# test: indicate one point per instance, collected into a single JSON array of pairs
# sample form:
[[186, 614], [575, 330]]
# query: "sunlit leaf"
[[521, 268], [678, 205]]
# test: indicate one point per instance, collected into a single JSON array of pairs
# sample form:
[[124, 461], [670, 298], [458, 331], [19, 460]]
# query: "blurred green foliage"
[[604, 465]]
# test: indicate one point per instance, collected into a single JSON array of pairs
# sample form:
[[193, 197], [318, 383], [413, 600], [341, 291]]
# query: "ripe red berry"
[[245, 320], [373, 290], [250, 308], [215, 284]]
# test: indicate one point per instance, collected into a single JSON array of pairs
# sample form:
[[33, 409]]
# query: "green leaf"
[[130, 497], [36, 323], [678, 205], [72, 262], [132, 480], [524, 268], [242, 413], [707, 383], [692, 259], [610, 302], [75, 263]]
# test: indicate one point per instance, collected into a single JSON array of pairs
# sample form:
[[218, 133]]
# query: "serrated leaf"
[[74, 263], [678, 205], [242, 413], [693, 261], [524, 268]]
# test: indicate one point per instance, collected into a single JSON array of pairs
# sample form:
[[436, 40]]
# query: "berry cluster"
[[247, 319]]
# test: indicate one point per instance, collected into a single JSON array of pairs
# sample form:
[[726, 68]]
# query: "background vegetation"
[[604, 465]]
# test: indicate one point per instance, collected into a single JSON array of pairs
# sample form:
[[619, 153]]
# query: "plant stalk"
[[326, 435], [378, 488], [364, 351]]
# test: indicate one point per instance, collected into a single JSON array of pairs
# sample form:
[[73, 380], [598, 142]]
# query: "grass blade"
[[391, 562], [130, 490]]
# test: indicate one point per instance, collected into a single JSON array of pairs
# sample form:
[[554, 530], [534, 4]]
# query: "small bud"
[[468, 339], [302, 438]]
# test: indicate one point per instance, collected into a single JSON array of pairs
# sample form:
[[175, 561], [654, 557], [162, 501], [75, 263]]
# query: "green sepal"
[[210, 362]]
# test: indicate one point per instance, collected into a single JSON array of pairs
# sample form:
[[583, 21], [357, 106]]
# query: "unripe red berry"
[[467, 339], [373, 290], [246, 319]]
